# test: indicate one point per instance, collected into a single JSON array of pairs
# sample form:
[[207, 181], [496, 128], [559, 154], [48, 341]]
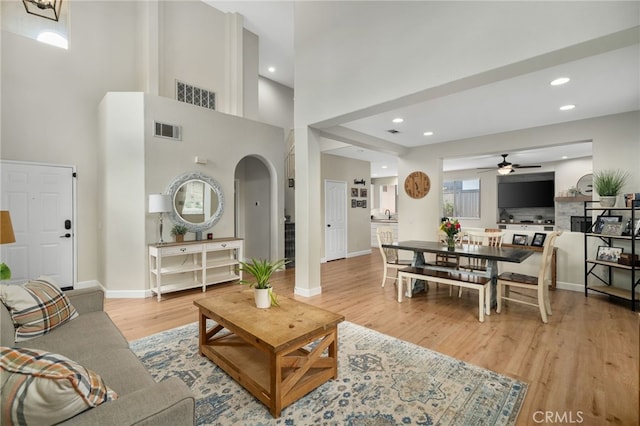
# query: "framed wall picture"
[[359, 203], [613, 228], [354, 192], [519, 240], [601, 220], [364, 204], [608, 254], [354, 203], [363, 192], [538, 239], [636, 228]]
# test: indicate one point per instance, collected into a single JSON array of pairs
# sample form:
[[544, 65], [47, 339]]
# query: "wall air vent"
[[168, 131], [393, 131], [195, 95]]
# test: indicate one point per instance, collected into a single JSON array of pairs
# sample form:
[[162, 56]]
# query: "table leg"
[[492, 272], [417, 286], [202, 333], [276, 389]]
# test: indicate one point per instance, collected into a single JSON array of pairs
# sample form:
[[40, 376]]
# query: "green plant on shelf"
[[178, 230], [609, 182]]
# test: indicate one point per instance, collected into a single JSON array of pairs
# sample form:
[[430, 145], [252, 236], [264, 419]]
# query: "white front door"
[[40, 199], [335, 219]]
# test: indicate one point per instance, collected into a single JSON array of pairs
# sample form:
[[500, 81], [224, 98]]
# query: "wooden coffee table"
[[263, 349]]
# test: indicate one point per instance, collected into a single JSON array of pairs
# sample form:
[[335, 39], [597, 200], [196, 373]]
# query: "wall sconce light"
[[6, 237], [359, 182], [49, 9], [159, 203]]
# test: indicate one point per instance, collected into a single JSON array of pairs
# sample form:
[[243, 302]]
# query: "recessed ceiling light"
[[564, 157], [383, 167], [272, 69], [567, 107], [398, 120], [428, 133], [560, 81]]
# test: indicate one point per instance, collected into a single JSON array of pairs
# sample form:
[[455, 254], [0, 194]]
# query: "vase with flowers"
[[450, 227]]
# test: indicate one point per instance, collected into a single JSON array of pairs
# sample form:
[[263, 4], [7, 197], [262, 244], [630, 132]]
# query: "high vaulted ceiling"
[[603, 83]]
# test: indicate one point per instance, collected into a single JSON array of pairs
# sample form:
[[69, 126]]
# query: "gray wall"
[[358, 219]]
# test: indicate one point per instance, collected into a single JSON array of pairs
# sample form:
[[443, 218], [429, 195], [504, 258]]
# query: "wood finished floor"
[[583, 365]]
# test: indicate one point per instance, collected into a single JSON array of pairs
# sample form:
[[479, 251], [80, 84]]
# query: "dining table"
[[492, 255]]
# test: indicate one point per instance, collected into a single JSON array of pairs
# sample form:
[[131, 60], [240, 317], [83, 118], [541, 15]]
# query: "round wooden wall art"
[[417, 185]]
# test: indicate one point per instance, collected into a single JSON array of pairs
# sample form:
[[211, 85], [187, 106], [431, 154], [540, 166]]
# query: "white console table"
[[191, 264]]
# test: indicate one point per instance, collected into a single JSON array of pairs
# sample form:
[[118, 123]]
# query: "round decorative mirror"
[[197, 201]]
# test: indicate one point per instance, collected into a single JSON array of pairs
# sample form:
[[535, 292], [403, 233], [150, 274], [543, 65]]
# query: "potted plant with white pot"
[[608, 184], [261, 270]]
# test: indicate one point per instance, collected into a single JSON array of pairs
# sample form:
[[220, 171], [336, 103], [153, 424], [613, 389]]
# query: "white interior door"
[[335, 218], [40, 199]]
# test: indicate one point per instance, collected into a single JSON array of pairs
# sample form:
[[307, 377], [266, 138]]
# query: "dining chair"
[[390, 258], [491, 238], [539, 283], [448, 260]]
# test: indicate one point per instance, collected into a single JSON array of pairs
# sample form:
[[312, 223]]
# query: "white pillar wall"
[[308, 224], [233, 101]]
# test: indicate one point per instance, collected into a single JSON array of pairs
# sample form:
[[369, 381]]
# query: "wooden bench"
[[454, 278]]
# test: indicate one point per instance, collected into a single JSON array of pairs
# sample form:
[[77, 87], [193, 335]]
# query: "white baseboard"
[[305, 292], [351, 254], [127, 294], [570, 286], [358, 253], [115, 294]]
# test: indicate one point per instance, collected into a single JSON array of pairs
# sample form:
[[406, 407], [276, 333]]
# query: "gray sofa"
[[95, 342]]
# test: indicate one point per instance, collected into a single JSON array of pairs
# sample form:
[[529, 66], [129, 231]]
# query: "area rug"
[[381, 381]]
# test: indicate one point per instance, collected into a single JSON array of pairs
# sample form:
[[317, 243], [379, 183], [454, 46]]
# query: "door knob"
[[329, 226], [65, 236]]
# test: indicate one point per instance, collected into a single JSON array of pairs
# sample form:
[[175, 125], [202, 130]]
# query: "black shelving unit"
[[603, 270]]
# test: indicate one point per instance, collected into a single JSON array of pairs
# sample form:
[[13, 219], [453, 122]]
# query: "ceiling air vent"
[[393, 131], [168, 131]]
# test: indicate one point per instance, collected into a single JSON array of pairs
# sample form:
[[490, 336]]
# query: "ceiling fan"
[[505, 167]]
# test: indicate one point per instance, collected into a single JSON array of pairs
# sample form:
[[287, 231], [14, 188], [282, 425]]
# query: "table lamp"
[[6, 237], [159, 203]]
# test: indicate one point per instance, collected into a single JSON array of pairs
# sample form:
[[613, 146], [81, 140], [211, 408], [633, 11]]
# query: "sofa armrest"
[[169, 403], [86, 300]]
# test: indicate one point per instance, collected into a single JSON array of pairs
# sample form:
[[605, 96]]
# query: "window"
[[461, 198], [194, 198]]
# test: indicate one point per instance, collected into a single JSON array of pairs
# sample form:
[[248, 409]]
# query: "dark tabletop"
[[503, 254]]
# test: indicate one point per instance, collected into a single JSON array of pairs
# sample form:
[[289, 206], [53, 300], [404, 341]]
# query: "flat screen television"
[[538, 193]]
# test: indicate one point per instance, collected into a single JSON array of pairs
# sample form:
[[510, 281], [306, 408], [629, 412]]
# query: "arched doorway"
[[253, 202]]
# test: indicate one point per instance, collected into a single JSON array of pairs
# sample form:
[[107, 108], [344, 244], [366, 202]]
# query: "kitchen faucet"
[[387, 212]]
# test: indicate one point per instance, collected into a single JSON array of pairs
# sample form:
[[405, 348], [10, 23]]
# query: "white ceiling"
[[603, 84]]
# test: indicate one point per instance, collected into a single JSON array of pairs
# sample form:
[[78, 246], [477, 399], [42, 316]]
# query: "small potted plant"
[[608, 184], [539, 218], [178, 232], [261, 270]]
